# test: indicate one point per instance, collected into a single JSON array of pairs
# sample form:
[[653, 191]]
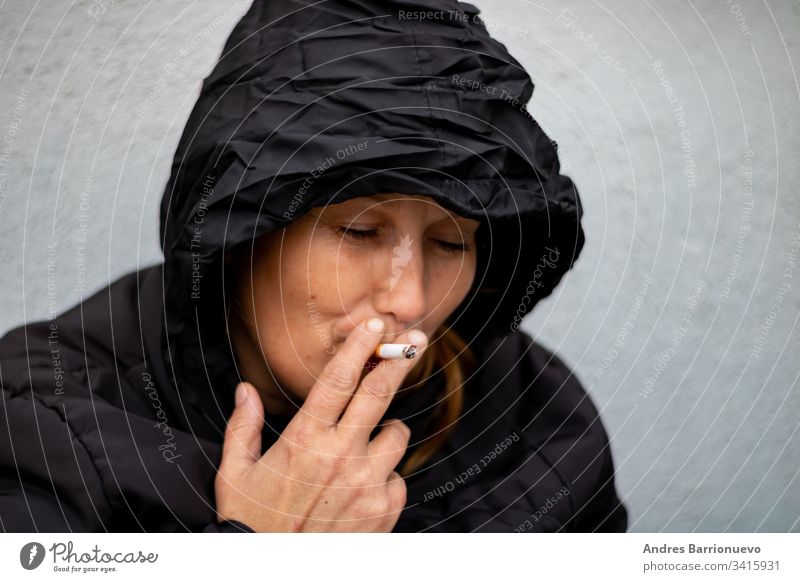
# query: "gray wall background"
[[677, 119]]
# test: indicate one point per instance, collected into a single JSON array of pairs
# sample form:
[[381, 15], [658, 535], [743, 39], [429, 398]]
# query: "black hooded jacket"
[[113, 413]]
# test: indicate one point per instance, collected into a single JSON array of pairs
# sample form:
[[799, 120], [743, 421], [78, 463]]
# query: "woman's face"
[[402, 258]]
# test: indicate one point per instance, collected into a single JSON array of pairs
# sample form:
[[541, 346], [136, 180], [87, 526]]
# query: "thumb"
[[242, 445]]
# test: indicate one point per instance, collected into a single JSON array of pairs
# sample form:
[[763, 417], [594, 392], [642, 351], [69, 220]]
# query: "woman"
[[353, 173]]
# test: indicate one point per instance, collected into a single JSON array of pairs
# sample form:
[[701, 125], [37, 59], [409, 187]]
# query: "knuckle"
[[334, 463], [401, 430], [402, 496], [301, 435], [235, 426], [380, 505], [338, 461], [339, 377], [377, 387], [363, 341], [398, 440], [361, 477], [341, 447], [399, 490]]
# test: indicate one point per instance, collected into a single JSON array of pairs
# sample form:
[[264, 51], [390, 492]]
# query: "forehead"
[[388, 201]]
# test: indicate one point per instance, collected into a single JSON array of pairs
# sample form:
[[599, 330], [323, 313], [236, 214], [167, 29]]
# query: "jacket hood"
[[314, 103]]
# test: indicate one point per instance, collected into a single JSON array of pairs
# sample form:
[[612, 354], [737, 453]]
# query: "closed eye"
[[358, 235], [364, 235], [452, 247]]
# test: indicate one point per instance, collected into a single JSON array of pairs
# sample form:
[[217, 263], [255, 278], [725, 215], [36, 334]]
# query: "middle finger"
[[376, 391]]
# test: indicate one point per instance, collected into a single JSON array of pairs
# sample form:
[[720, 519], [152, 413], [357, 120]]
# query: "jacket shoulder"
[[533, 379], [48, 479], [52, 373], [563, 426], [90, 344]]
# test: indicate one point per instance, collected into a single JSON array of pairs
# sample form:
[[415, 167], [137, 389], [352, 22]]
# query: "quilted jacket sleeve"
[[48, 481]]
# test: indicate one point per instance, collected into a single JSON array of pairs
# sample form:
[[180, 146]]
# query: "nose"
[[400, 285]]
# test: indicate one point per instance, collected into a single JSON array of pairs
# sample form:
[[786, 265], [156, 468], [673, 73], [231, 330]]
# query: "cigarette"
[[396, 351]]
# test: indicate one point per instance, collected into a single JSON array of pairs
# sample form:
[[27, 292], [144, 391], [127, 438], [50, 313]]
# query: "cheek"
[[339, 278], [291, 312], [320, 286], [449, 287], [454, 278]]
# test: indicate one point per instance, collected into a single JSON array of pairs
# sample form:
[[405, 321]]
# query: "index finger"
[[372, 398], [332, 391]]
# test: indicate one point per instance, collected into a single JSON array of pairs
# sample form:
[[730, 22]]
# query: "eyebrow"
[[372, 199]]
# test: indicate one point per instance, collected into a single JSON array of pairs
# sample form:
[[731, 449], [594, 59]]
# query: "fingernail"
[[417, 337], [375, 325], [241, 394]]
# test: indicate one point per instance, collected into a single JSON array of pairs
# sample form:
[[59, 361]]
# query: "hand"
[[323, 474]]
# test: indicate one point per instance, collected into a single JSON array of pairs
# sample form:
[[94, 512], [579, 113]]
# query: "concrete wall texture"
[[679, 120]]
